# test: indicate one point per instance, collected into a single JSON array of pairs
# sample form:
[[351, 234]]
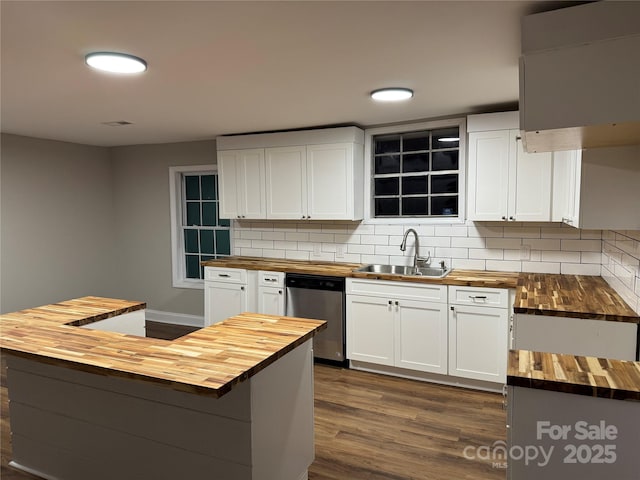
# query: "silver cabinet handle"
[[224, 275], [478, 297]]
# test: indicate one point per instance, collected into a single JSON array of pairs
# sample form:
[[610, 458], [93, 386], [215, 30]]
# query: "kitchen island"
[[571, 416], [229, 401]]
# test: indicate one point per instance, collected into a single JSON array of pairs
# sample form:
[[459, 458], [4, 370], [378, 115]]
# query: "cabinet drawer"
[[491, 297], [397, 290], [270, 279], [228, 275]]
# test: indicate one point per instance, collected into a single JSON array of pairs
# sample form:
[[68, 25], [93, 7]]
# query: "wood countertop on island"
[[209, 361], [595, 377]]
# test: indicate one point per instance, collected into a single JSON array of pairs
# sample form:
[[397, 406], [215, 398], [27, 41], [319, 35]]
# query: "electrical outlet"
[[339, 251], [525, 252]]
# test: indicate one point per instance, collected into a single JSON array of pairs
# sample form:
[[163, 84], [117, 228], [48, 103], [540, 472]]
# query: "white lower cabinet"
[[391, 324], [458, 331], [225, 293], [271, 297], [479, 333]]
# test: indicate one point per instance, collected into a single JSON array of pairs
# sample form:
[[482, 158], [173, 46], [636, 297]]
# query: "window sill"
[[414, 221], [192, 284]]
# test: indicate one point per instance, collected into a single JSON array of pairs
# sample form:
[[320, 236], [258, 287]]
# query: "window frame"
[[369, 133], [178, 267]]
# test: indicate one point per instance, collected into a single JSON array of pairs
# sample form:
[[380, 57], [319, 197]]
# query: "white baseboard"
[[176, 318]]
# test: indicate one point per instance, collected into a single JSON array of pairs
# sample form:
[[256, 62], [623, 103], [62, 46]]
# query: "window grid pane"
[[426, 174], [205, 236]]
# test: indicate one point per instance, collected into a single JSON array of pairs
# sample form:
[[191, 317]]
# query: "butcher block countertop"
[[595, 377], [474, 278], [575, 296], [209, 361]]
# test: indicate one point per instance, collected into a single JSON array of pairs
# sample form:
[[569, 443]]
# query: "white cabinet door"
[[478, 342], [505, 182], [286, 182], [370, 329], [271, 300], [530, 197], [421, 336], [488, 175], [241, 183], [330, 181], [223, 300]]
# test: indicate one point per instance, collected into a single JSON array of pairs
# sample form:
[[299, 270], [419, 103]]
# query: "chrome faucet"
[[417, 259]]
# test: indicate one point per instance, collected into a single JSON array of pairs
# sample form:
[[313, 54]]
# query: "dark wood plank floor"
[[375, 427]]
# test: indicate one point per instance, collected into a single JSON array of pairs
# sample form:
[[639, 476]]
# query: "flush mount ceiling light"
[[115, 62], [391, 94]]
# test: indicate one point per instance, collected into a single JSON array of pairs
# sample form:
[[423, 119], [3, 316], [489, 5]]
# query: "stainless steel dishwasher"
[[322, 298]]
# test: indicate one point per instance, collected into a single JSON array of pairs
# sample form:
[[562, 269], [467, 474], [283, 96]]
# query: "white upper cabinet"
[[602, 188], [506, 183], [286, 184], [310, 175], [241, 183]]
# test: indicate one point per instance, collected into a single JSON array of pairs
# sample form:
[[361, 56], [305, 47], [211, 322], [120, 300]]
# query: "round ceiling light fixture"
[[394, 94], [115, 62]]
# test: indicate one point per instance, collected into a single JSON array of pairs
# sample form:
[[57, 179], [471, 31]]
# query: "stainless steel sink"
[[433, 272]]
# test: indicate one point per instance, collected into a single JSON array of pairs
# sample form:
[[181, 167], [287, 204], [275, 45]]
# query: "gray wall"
[[57, 222], [78, 220], [143, 244]]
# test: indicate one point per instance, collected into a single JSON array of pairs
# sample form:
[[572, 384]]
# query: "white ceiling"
[[236, 67]]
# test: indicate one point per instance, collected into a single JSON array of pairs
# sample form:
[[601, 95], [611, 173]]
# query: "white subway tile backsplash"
[[297, 255], [579, 269], [451, 252], [591, 257], [322, 237], [347, 238], [389, 229], [374, 239], [251, 234], [542, 244], [262, 243], [451, 231], [296, 236], [486, 253], [485, 231], [522, 232], [512, 255], [562, 232], [361, 249], [504, 243], [273, 235], [581, 245], [591, 234], [375, 259], [285, 245], [468, 242], [569, 257], [541, 267], [467, 264], [504, 266], [554, 247]]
